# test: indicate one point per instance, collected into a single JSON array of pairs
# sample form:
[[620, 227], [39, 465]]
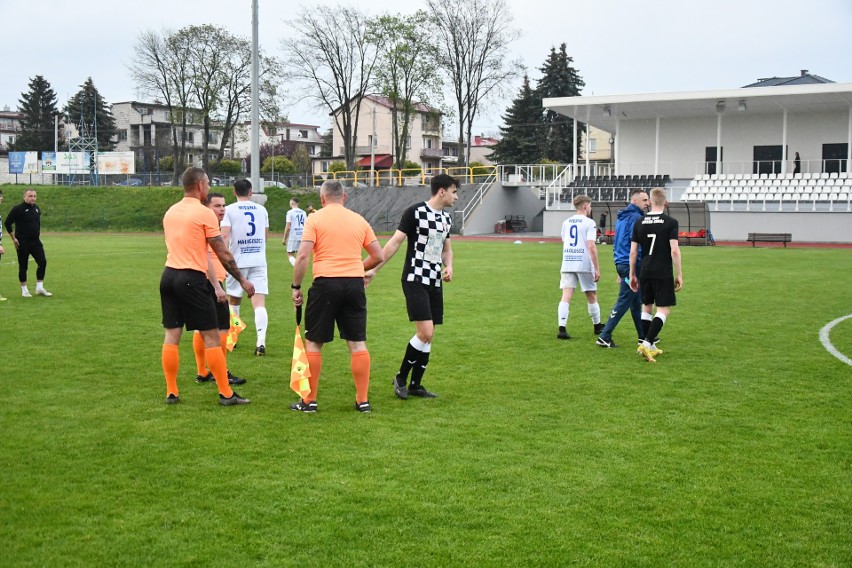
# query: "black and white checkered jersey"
[[426, 230]]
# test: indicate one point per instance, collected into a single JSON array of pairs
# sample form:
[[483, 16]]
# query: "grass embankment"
[[131, 209]]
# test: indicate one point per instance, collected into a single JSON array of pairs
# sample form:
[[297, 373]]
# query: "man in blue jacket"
[[627, 298]]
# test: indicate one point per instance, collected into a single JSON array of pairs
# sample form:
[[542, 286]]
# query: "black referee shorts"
[[424, 302], [658, 291], [340, 300], [187, 298]]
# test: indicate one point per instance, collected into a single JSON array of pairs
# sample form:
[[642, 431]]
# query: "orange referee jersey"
[[338, 235], [187, 225]]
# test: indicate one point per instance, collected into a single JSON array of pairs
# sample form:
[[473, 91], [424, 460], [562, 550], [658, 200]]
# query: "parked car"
[[274, 184], [132, 182], [216, 182]]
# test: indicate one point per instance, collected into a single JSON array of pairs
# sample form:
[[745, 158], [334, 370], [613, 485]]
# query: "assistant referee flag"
[[300, 370]]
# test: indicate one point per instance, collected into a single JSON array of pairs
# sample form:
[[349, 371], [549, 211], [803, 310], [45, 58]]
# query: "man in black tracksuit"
[[26, 220]]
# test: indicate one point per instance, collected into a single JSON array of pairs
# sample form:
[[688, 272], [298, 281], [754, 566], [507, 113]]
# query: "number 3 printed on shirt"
[[251, 224]]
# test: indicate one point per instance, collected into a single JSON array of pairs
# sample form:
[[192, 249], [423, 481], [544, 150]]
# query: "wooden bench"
[[769, 238]]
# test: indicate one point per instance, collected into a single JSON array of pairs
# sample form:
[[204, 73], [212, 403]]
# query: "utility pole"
[[373, 152], [255, 103]]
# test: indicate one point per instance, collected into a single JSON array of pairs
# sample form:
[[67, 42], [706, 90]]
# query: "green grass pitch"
[[733, 450]]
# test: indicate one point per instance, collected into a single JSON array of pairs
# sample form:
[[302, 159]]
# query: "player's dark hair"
[[295, 200], [636, 190], [191, 176], [242, 187], [211, 195], [443, 181]]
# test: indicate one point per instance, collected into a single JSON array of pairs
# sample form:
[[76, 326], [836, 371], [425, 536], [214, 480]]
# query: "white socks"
[[563, 314], [261, 320], [595, 312]]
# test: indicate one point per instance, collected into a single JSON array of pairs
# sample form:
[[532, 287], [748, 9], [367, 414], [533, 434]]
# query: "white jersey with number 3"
[[576, 232], [248, 222]]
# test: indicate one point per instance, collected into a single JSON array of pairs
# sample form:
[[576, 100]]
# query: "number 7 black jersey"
[[653, 233]]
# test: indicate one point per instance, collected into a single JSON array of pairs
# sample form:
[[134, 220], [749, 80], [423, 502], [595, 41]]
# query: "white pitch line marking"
[[826, 342]]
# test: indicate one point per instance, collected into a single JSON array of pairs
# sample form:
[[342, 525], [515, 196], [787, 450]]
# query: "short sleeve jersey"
[[426, 230], [218, 268], [576, 232], [248, 222], [338, 235], [654, 233], [187, 226], [296, 217]]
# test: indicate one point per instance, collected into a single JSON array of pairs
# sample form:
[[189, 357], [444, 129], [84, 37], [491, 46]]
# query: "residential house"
[[480, 148], [306, 135], [424, 139]]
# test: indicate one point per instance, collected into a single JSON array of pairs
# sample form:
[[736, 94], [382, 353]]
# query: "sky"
[[618, 46]]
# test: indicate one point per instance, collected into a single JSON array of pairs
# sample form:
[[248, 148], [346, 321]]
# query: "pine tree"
[[559, 80], [520, 136], [38, 106], [88, 105]]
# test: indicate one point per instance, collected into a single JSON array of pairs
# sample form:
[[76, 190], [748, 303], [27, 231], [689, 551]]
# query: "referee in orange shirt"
[[186, 295], [335, 236]]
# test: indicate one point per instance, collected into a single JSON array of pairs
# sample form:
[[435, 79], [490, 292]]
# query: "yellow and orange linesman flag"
[[301, 370], [237, 326]]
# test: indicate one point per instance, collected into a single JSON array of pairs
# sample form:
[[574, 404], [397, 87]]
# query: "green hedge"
[[131, 209]]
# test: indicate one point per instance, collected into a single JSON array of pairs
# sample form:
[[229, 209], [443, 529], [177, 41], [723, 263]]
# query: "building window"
[[593, 145], [212, 138], [303, 134], [122, 136], [324, 166], [312, 150]]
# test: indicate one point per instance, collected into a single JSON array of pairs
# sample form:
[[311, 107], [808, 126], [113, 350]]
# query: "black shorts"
[[223, 313], [424, 302], [340, 300], [658, 291], [187, 298]]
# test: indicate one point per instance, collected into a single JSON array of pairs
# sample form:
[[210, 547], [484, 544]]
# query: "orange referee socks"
[[198, 348], [219, 368], [223, 339], [315, 361], [360, 361], [171, 363]]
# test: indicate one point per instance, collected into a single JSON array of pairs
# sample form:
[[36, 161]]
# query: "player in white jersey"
[[579, 264], [245, 228], [293, 230]]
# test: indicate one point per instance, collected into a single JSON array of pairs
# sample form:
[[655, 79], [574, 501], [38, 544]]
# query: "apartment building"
[[145, 128], [10, 127]]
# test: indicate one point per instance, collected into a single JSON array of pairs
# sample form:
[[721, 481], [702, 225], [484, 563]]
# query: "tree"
[[202, 73], [38, 106], [161, 70], [334, 56], [559, 80], [405, 73], [472, 39], [327, 148], [283, 165], [301, 160], [229, 167], [520, 137], [89, 109]]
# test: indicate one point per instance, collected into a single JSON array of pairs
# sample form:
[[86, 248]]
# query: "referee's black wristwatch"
[[294, 287]]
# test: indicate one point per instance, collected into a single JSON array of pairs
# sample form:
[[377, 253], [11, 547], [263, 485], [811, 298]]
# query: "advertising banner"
[[23, 162], [48, 162], [110, 163], [72, 162]]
